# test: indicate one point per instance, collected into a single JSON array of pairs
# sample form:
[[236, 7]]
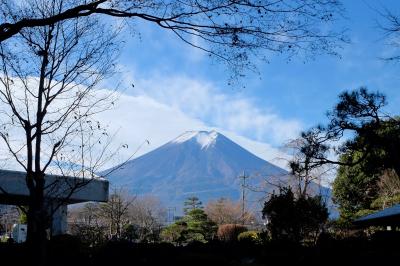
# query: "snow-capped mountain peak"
[[202, 163], [203, 138]]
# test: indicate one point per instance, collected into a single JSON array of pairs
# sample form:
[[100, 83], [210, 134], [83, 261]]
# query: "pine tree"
[[192, 203]]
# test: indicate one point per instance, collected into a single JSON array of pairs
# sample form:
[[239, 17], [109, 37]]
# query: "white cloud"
[[141, 118], [203, 101], [162, 109]]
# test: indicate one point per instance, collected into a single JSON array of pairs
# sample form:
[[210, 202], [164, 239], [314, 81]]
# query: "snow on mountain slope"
[[201, 163], [204, 139]]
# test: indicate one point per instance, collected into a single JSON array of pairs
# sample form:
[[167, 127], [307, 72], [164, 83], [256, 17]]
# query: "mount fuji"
[[201, 163]]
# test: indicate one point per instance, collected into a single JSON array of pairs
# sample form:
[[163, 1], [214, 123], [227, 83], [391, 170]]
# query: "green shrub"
[[194, 226], [385, 202], [363, 212], [249, 237], [175, 233], [4, 239]]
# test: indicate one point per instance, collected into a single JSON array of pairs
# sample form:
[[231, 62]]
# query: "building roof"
[[388, 216]]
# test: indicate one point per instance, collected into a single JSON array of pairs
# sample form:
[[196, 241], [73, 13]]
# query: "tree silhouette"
[[294, 219], [233, 31], [48, 82], [359, 114]]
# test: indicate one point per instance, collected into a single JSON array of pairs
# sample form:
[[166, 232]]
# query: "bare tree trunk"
[[37, 221]]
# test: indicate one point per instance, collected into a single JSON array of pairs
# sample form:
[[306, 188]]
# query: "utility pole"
[[171, 215], [243, 185]]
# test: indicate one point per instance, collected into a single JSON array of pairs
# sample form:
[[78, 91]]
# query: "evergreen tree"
[[294, 219], [199, 226], [192, 203], [194, 226], [356, 186]]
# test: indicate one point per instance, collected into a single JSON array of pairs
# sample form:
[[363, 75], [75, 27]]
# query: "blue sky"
[[276, 104]]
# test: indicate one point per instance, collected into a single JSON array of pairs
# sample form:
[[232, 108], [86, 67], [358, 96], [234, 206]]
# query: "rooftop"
[[388, 216]]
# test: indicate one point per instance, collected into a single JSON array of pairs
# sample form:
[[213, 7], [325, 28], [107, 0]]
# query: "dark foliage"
[[367, 142], [294, 219], [373, 150], [359, 119], [379, 249]]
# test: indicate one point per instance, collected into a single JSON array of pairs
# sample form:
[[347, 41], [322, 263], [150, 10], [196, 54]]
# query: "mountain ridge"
[[202, 163]]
